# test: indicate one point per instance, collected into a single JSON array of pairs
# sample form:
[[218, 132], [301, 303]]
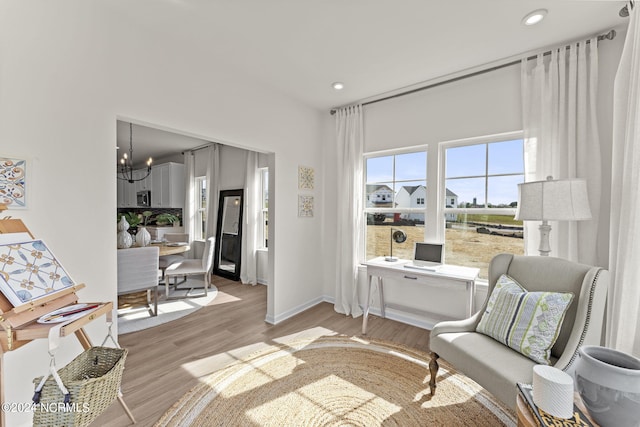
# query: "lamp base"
[[544, 247], [391, 258]]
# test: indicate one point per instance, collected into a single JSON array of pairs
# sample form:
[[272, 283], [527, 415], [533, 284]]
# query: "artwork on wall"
[[12, 182], [306, 176], [305, 206]]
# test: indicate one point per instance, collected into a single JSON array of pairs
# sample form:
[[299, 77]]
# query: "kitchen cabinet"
[[167, 186], [126, 194], [145, 183]]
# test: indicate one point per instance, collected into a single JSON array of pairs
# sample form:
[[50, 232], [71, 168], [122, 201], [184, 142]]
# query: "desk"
[[445, 276]]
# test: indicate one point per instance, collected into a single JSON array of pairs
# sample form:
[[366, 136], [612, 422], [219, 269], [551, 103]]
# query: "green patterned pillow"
[[528, 322]]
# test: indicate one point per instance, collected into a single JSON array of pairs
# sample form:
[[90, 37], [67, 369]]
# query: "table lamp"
[[397, 236], [552, 200]]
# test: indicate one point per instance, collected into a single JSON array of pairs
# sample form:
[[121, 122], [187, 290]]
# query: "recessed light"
[[337, 85], [534, 17]]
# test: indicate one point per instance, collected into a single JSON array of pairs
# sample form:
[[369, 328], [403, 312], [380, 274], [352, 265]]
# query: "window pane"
[[469, 191], [380, 195], [379, 234], [411, 166], [466, 161], [506, 157], [380, 169], [411, 194], [473, 240], [503, 191]]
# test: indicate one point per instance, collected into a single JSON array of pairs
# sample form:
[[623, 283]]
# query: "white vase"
[[143, 238], [124, 238]]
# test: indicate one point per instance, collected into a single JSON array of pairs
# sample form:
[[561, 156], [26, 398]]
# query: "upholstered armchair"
[[496, 366]]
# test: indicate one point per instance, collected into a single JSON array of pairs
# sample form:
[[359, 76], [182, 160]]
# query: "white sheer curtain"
[[623, 325], [561, 139], [188, 213], [213, 189], [350, 208], [248, 261]]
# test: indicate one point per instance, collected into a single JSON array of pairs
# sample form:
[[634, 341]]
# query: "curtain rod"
[[200, 147], [608, 36]]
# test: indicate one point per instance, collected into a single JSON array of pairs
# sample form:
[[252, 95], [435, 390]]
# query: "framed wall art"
[[306, 177], [305, 206], [13, 182]]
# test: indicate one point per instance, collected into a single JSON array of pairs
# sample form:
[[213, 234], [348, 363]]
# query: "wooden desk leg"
[[85, 341], [365, 315], [381, 292]]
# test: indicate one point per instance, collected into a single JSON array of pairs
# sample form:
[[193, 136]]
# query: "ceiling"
[[299, 47]]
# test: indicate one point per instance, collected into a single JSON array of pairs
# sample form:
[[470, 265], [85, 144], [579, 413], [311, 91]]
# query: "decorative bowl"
[[608, 382]]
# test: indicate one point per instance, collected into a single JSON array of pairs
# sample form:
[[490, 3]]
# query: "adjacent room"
[[415, 212]]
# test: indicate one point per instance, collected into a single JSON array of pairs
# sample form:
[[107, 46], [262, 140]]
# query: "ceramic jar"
[[124, 238], [143, 238], [608, 382]]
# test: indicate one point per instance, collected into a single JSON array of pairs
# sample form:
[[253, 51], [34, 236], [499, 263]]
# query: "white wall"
[[68, 71]]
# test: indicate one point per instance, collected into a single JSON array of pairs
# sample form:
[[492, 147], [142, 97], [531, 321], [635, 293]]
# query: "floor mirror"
[[229, 235]]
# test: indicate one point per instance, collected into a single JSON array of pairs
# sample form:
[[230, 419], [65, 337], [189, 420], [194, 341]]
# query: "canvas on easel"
[[28, 271]]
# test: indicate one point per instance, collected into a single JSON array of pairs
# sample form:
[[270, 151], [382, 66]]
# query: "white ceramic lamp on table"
[[552, 200]]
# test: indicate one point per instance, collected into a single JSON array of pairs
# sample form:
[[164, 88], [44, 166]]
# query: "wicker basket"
[[93, 380]]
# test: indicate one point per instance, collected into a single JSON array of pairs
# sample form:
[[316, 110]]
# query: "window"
[[201, 207], [264, 212], [476, 199], [481, 182], [396, 188]]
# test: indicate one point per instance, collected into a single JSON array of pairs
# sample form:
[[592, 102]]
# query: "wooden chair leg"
[[433, 370]]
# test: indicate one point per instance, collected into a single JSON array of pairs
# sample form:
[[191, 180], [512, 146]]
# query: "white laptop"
[[427, 256]]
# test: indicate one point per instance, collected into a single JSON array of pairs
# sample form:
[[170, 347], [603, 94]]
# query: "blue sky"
[[466, 168]]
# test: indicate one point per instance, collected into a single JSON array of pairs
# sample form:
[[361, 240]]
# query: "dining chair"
[[138, 271], [189, 267], [166, 260]]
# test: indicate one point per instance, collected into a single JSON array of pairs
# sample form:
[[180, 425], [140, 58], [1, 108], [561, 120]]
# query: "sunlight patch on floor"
[[332, 410]]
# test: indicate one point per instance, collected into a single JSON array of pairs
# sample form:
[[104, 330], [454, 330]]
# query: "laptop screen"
[[430, 252]]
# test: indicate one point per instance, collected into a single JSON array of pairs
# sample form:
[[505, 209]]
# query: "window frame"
[[442, 166], [263, 233], [199, 210]]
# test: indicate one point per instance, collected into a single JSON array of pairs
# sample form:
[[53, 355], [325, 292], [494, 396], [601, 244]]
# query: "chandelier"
[[126, 170]]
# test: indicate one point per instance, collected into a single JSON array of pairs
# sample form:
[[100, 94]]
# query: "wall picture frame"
[[305, 206], [13, 182], [306, 178]]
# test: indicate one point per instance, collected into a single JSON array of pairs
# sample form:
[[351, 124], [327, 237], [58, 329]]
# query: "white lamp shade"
[[553, 200]]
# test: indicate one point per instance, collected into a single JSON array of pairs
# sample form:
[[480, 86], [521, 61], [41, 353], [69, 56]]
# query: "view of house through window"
[[482, 179], [396, 190], [479, 201]]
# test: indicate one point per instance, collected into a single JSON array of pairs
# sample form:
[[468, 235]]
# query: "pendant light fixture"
[[126, 163]]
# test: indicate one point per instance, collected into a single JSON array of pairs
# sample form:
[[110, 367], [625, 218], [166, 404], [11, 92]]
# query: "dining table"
[[172, 248]]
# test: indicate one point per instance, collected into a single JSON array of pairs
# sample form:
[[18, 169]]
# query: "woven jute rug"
[[336, 381]]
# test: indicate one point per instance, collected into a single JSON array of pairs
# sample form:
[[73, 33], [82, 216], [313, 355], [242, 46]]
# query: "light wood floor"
[[166, 361]]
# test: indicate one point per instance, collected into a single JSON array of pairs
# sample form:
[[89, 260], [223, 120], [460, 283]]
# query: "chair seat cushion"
[[166, 260], [493, 365], [528, 322], [186, 266]]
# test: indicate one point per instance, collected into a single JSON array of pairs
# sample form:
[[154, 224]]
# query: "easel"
[[19, 326]]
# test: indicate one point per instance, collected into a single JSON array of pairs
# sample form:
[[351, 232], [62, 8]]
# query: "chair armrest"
[[451, 326], [588, 325]]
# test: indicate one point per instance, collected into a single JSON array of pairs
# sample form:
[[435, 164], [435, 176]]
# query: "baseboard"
[[389, 312], [274, 320]]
